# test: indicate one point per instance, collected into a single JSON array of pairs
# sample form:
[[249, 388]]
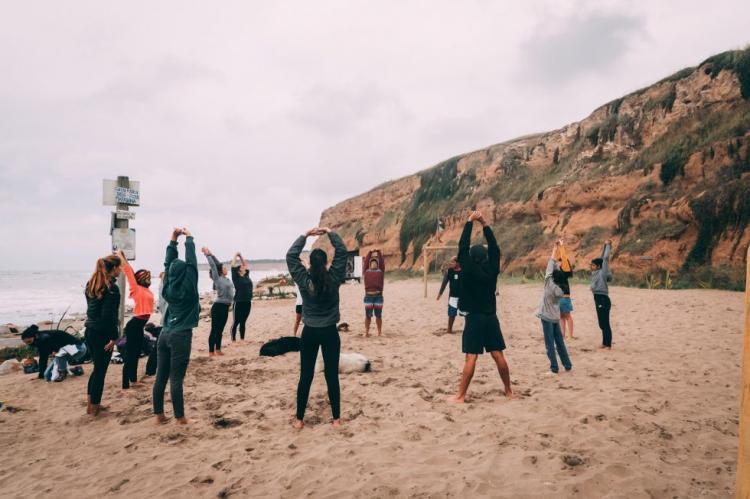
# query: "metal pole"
[[122, 224], [424, 256], [743, 454]]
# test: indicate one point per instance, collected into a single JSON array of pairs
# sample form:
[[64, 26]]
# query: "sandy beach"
[[655, 417]]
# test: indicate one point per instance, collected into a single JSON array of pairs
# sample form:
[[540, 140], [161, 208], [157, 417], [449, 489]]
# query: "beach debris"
[[10, 366], [572, 460], [222, 422]]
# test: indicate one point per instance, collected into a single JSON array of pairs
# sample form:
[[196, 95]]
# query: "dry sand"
[[656, 417]]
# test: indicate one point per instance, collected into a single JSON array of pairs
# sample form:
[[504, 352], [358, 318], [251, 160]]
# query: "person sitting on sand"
[[566, 302], [451, 279], [480, 267], [600, 278], [138, 283], [374, 278], [102, 326], [319, 287], [175, 340], [224, 297], [549, 313], [54, 343], [243, 295]]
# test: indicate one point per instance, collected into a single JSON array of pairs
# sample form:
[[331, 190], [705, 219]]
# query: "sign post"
[[122, 193], [743, 455]]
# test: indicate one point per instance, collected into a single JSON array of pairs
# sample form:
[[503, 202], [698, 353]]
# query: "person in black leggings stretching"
[[600, 278], [102, 325], [243, 295], [220, 309], [319, 287]]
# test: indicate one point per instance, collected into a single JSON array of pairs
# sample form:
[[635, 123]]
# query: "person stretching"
[[374, 277], [102, 326], [243, 295], [138, 283], [220, 309], [566, 302], [549, 313], [451, 280], [600, 278], [480, 267], [319, 287], [54, 342], [176, 337]]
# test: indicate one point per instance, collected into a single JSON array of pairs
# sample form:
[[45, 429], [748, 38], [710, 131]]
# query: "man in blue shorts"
[[451, 279], [480, 267]]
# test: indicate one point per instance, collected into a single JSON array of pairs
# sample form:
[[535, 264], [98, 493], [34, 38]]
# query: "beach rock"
[[10, 366]]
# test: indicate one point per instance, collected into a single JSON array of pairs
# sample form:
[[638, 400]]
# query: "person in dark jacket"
[[183, 310], [102, 325], [319, 287], [480, 267], [451, 279], [52, 343], [243, 295]]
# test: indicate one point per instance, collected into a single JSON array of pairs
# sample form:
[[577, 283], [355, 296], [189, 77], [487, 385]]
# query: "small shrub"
[[595, 236]]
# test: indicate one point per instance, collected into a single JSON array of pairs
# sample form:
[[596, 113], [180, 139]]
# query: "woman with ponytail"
[[319, 288], [103, 303], [138, 282]]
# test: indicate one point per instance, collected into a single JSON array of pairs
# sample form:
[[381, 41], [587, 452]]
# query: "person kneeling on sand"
[[480, 267], [549, 313], [183, 310], [65, 347], [319, 287]]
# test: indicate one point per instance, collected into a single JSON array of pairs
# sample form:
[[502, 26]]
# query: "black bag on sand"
[[280, 346]]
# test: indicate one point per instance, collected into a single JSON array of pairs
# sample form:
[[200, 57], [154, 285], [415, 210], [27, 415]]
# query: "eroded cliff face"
[[664, 172]]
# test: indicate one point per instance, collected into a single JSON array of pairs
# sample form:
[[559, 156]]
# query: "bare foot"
[[161, 419], [298, 424], [99, 412], [211, 354], [603, 347], [182, 421], [455, 399], [508, 393], [219, 352], [336, 423]]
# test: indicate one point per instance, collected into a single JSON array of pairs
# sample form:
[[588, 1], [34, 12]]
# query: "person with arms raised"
[[243, 295], [220, 309], [600, 278], [374, 278]]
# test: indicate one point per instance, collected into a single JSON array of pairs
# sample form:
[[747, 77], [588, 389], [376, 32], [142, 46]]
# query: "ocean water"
[[27, 297]]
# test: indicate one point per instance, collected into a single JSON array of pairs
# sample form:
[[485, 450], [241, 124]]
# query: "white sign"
[[125, 195], [110, 196], [125, 215], [124, 239]]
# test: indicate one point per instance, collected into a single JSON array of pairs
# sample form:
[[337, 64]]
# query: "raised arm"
[[190, 258], [605, 258], [212, 262], [381, 261], [464, 243], [171, 250], [338, 265], [235, 260], [294, 263], [128, 270], [493, 250]]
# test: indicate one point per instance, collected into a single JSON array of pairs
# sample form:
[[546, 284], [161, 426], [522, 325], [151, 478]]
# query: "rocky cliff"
[[663, 171]]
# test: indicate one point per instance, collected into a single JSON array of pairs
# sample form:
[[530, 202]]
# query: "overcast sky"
[[244, 120]]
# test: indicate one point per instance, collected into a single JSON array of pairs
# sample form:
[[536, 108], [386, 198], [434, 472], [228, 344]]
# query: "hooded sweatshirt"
[[549, 305], [600, 278], [478, 273], [48, 342], [374, 278], [222, 284], [181, 288]]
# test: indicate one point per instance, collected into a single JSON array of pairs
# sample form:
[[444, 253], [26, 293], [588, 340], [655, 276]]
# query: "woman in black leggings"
[[319, 287], [243, 295], [220, 309], [102, 324]]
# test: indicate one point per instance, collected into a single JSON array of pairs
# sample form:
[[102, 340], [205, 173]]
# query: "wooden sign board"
[[112, 194], [124, 239]]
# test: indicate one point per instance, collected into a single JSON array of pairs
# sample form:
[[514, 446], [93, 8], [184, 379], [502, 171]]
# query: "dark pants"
[[134, 337], [152, 357], [603, 305], [101, 359], [241, 313], [326, 338], [219, 316], [553, 338], [173, 359]]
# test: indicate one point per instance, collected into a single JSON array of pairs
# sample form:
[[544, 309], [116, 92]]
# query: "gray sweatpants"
[[173, 355]]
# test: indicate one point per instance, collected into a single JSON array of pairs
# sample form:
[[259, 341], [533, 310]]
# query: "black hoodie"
[[478, 279]]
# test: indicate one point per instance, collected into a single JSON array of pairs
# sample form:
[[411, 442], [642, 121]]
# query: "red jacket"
[[374, 279]]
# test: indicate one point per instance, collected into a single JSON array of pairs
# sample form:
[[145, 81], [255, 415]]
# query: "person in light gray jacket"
[[600, 278], [549, 313], [220, 309]]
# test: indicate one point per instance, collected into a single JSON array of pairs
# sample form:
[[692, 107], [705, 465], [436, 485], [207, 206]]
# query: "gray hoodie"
[[222, 284], [600, 278], [549, 306]]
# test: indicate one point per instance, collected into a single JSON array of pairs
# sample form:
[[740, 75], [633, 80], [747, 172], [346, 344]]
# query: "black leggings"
[[219, 316], [327, 338], [603, 305], [101, 360], [134, 346], [241, 313]]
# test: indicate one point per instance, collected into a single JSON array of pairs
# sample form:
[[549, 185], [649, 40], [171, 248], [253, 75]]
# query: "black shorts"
[[482, 333], [298, 309]]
